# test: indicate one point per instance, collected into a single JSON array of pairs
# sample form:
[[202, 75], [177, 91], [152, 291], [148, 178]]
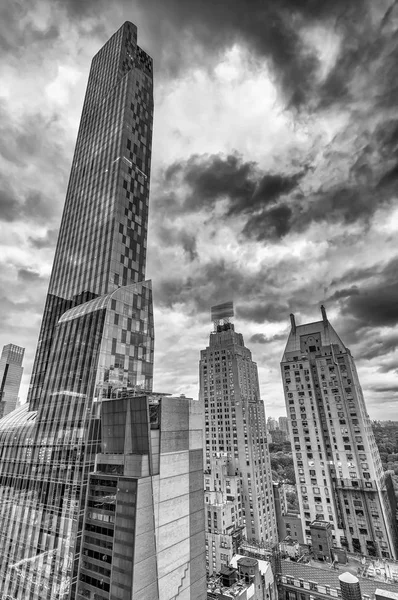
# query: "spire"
[[324, 316]]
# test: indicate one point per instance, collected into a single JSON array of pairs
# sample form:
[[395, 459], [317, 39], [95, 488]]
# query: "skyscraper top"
[[106, 208], [310, 337], [13, 354]]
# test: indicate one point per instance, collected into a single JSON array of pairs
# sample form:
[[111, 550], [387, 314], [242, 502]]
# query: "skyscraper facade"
[[144, 536], [238, 484], [339, 474], [95, 346], [10, 377]]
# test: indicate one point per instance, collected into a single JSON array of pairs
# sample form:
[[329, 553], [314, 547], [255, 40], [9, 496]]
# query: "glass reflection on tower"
[[96, 339]]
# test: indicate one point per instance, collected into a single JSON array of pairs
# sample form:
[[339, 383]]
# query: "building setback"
[[238, 483], [10, 377], [96, 347], [339, 474]]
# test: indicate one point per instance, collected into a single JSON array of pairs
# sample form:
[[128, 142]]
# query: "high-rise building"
[[58, 501], [339, 474], [10, 377], [272, 424], [283, 424], [238, 484]]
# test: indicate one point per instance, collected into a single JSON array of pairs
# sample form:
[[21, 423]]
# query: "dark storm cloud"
[[9, 206], [212, 283], [28, 144], [389, 178], [208, 284], [214, 177], [263, 312], [343, 293], [389, 366], [355, 275], [30, 138], [270, 30], [172, 236], [340, 204], [256, 292], [386, 137], [211, 178], [375, 306], [380, 347], [272, 223], [32, 205], [392, 389], [369, 46], [260, 338], [17, 32], [376, 303], [272, 204]]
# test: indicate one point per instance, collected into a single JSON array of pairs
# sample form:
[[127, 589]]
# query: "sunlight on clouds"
[[61, 88], [386, 221], [326, 43], [216, 113]]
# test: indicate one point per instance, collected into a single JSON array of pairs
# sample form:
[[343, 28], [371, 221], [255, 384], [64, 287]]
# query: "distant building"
[[278, 436], [322, 540], [338, 470], [10, 377], [238, 483], [272, 424], [292, 527], [283, 424]]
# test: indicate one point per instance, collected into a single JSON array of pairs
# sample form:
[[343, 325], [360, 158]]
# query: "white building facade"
[[337, 464]]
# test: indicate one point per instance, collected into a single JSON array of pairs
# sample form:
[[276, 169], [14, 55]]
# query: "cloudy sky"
[[274, 179]]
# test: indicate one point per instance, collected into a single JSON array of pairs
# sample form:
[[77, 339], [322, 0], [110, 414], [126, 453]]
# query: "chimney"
[[324, 316], [293, 322]]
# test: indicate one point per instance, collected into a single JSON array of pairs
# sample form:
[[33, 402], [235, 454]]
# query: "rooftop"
[[323, 574]]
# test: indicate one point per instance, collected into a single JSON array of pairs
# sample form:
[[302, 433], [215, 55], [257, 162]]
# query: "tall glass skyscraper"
[[96, 339]]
